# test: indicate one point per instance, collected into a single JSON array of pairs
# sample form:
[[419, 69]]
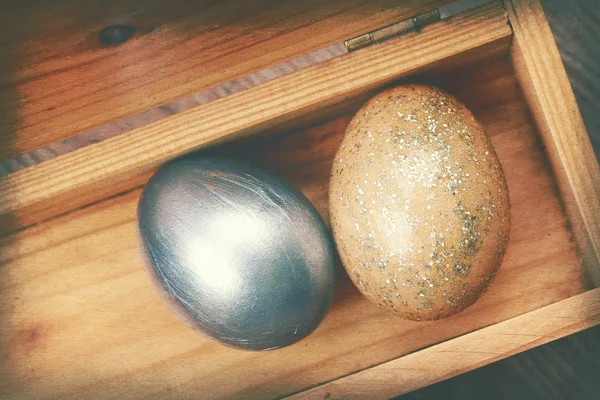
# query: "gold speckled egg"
[[419, 204]]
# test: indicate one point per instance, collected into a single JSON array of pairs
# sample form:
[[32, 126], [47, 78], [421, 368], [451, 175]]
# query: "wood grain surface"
[[81, 320], [546, 87], [465, 353], [573, 27], [115, 128], [114, 165], [60, 76]]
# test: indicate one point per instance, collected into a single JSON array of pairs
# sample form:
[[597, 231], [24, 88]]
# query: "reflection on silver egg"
[[236, 252]]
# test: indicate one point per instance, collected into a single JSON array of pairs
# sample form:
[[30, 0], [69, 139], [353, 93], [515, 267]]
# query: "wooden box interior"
[[81, 317]]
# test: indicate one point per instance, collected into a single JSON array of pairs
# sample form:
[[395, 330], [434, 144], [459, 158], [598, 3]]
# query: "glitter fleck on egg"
[[419, 203]]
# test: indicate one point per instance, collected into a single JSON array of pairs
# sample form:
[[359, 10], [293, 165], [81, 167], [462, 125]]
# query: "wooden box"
[[79, 318]]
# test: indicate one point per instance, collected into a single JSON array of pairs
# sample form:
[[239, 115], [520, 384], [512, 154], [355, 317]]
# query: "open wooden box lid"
[[80, 72], [71, 66]]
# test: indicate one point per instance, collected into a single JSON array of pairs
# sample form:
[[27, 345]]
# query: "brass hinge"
[[412, 24], [390, 31]]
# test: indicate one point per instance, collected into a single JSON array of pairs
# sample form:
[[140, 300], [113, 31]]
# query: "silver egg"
[[236, 252]]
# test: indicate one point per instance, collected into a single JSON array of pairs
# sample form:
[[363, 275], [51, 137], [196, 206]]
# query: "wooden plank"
[[96, 171], [59, 78], [465, 353], [179, 105], [80, 318], [553, 105]]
